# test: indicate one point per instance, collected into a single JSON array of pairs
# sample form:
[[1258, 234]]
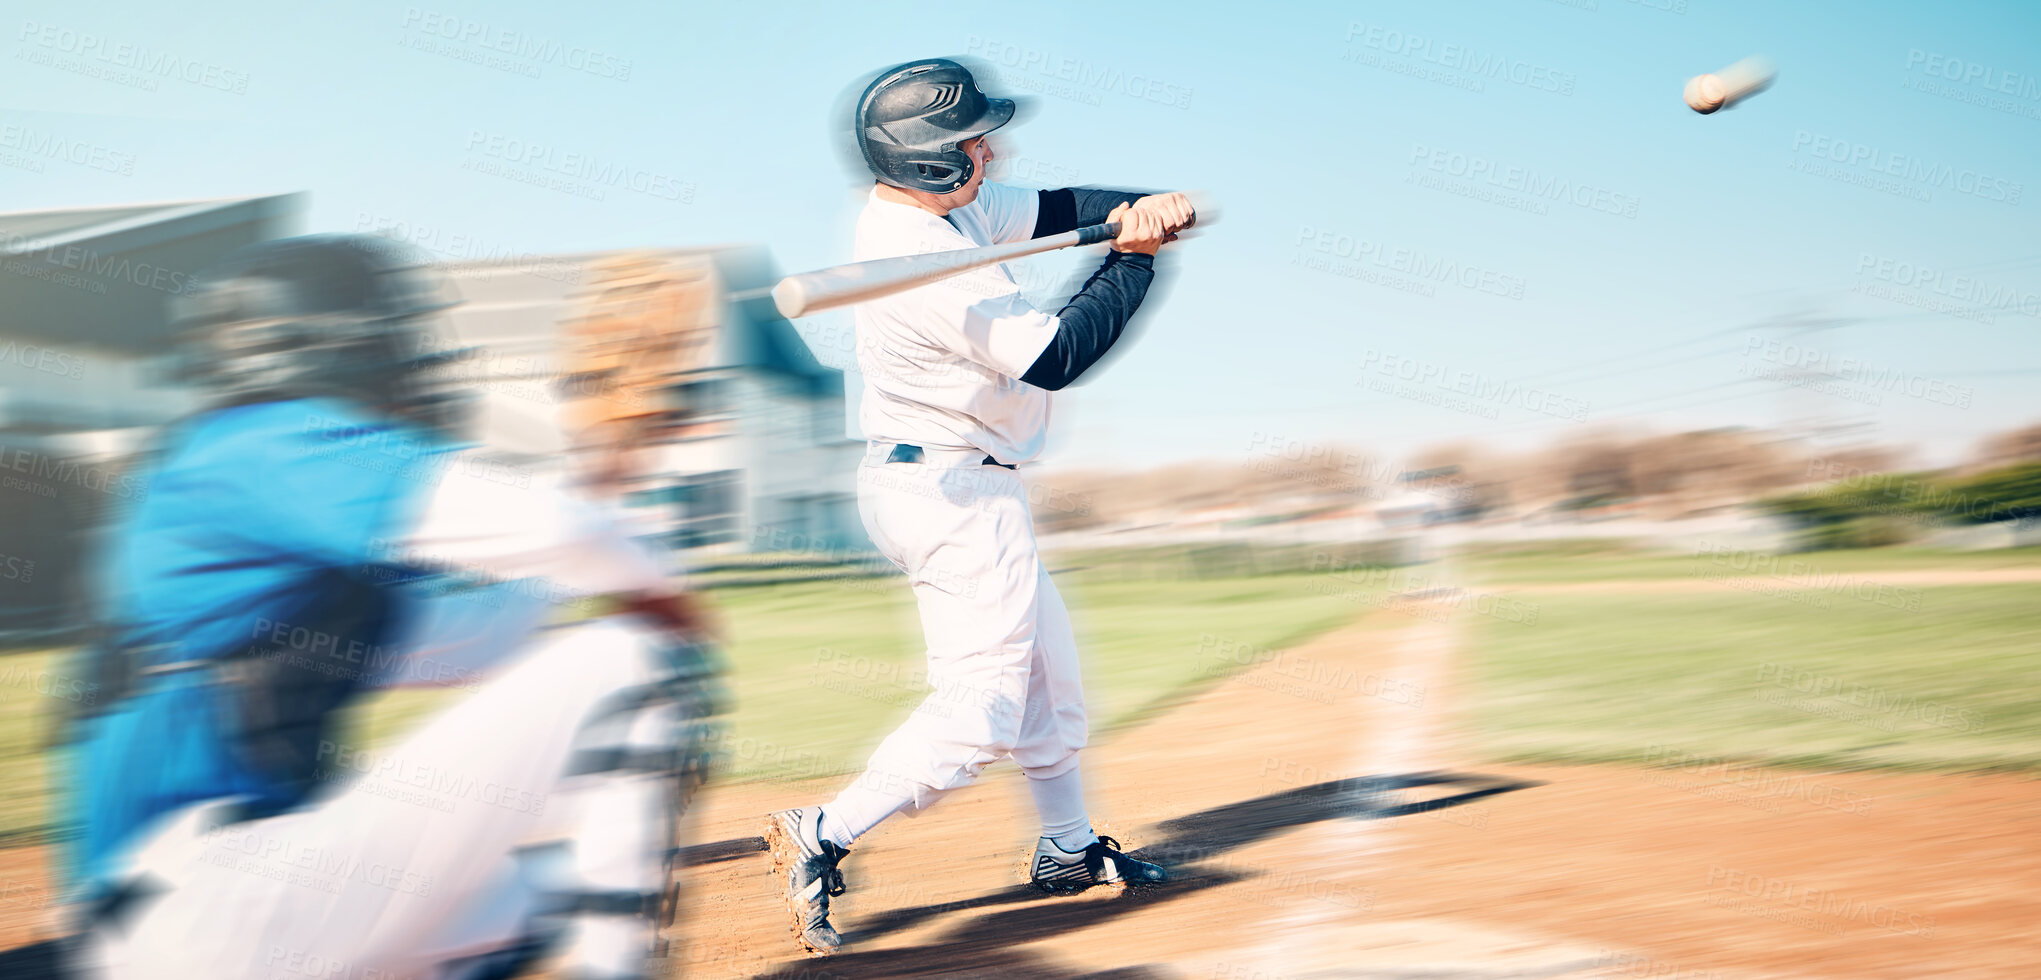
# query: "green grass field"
[[1776, 678], [27, 714], [1586, 560], [821, 671]]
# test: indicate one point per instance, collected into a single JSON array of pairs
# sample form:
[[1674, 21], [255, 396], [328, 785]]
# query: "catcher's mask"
[[911, 118], [352, 316]]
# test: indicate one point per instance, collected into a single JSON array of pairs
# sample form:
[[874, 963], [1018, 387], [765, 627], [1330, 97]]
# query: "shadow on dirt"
[[37, 961], [983, 945]]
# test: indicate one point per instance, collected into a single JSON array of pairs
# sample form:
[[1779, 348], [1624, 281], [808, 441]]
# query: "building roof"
[[101, 277]]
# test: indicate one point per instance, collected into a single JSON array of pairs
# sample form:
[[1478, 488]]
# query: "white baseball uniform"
[[941, 367], [942, 362]]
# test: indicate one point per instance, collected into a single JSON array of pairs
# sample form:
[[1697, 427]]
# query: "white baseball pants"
[[1001, 654]]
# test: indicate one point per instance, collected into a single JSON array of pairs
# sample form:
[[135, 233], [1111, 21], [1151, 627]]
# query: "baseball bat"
[[856, 282]]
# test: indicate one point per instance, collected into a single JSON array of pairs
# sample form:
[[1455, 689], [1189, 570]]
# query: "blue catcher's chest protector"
[[238, 596]]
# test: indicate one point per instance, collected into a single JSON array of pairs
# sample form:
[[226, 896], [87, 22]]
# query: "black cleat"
[[1100, 863], [809, 862]]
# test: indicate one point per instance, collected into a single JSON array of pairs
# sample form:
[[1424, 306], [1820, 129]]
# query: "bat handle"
[[1103, 232]]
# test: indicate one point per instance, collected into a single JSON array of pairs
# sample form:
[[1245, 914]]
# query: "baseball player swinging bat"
[[958, 379], [855, 282]]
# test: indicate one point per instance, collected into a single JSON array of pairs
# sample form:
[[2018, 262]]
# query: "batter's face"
[[979, 149]]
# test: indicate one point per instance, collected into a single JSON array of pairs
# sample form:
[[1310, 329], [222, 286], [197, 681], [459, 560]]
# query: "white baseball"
[[1705, 93]]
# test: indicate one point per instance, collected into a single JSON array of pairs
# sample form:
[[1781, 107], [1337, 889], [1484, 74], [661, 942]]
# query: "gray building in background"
[[83, 330]]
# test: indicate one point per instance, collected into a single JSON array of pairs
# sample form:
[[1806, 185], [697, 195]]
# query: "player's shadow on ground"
[[983, 945], [1189, 846], [1194, 839], [36, 961]]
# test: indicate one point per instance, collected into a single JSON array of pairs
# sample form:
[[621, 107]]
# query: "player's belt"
[[904, 453]]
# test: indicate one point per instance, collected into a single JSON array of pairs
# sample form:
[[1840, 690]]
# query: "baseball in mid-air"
[[1715, 90], [1705, 93]]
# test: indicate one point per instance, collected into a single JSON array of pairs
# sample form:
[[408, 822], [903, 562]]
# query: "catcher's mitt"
[[643, 325]]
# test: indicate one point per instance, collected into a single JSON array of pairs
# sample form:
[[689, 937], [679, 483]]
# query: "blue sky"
[[1443, 222]]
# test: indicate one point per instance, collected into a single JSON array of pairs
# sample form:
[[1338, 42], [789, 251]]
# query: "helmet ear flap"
[[941, 172]]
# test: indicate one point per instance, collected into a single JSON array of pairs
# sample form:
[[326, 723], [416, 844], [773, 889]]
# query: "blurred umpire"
[[319, 530]]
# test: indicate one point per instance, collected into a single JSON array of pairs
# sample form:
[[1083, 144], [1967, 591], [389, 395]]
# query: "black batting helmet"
[[911, 118], [350, 316]]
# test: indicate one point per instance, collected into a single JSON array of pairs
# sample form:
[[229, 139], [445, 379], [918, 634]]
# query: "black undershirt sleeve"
[[1093, 320], [1077, 207]]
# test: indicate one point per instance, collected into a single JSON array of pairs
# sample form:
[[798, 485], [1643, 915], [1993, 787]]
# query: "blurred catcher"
[[317, 531]]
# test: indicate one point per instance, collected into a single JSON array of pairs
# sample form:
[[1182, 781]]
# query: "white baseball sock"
[[1060, 802], [856, 810]]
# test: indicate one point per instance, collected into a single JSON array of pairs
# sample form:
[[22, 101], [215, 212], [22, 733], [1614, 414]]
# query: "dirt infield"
[[1293, 867], [1325, 823]]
